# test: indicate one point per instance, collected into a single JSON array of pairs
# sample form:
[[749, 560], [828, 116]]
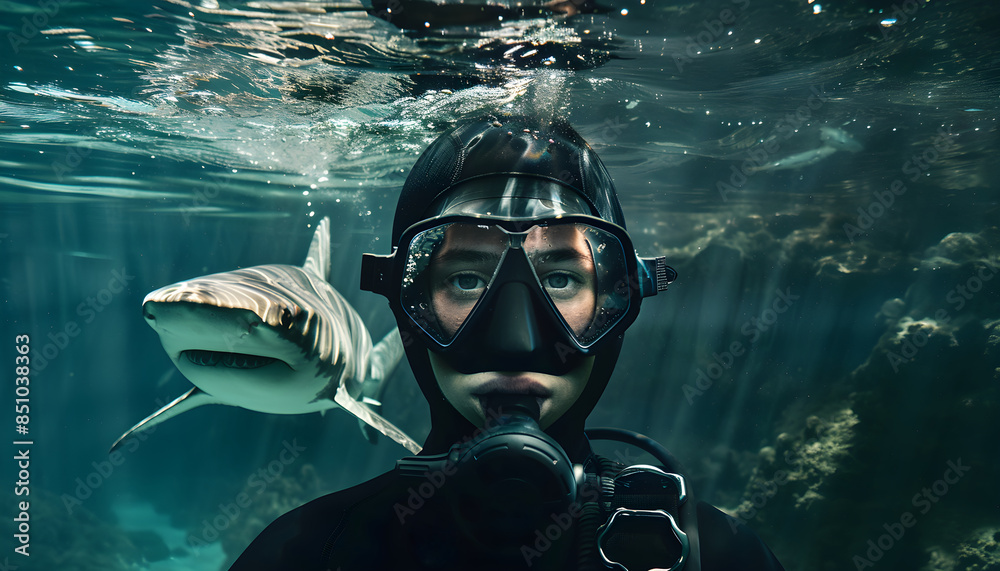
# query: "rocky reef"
[[981, 552], [79, 539], [891, 465]]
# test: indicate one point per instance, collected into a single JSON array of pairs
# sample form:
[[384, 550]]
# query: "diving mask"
[[520, 267]]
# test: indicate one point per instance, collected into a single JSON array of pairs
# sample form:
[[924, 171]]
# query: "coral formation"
[[900, 446], [981, 552]]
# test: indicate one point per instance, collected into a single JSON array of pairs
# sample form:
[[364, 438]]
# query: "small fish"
[[276, 339], [89, 255], [798, 160], [833, 140]]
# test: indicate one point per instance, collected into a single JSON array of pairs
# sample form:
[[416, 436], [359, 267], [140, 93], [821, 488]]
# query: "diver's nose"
[[517, 337], [513, 329]]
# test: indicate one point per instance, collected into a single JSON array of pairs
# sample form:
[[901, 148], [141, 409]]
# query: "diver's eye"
[[556, 281], [467, 282]]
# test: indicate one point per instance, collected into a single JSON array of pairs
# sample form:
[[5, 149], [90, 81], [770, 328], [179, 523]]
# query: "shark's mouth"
[[230, 360]]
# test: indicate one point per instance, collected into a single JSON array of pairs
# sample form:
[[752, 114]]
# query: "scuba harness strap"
[[650, 519]]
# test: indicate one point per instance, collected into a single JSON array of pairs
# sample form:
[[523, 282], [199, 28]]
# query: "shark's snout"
[[253, 292], [180, 316], [200, 337]]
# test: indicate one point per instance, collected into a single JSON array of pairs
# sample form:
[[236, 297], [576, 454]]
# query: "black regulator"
[[506, 480]]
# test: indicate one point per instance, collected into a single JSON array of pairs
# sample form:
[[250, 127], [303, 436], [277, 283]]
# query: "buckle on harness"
[[645, 539]]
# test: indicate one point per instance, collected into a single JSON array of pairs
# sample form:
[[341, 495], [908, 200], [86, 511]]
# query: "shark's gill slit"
[[231, 360]]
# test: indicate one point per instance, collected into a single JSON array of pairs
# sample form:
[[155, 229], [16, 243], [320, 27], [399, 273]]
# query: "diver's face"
[[466, 260], [460, 271]]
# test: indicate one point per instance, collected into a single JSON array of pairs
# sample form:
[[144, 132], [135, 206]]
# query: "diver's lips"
[[205, 358], [513, 386], [521, 392]]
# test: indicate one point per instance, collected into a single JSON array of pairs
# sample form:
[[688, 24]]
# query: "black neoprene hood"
[[496, 149], [506, 147]]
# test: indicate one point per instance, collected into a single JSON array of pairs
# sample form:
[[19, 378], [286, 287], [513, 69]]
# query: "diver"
[[512, 280]]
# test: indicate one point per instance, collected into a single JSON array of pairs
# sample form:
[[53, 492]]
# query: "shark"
[[276, 339]]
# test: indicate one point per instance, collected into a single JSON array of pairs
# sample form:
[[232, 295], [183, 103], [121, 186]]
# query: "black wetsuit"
[[372, 527]]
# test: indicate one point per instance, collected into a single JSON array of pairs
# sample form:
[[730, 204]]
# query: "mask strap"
[[655, 275]]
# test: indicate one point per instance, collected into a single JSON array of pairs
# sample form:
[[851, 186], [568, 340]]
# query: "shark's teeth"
[[231, 360], [203, 358], [240, 361]]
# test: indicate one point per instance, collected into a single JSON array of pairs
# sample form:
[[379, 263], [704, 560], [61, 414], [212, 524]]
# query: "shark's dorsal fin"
[[318, 258]]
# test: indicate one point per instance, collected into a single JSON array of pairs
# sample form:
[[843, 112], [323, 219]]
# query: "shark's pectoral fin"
[[372, 419], [191, 399], [369, 432], [385, 356]]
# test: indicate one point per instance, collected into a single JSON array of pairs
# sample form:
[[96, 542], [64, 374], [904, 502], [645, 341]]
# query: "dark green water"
[[829, 355]]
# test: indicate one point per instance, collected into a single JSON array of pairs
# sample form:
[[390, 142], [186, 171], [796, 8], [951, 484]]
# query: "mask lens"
[[602, 253], [447, 270], [579, 268]]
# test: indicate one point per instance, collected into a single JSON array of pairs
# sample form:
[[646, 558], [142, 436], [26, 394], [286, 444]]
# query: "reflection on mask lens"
[[581, 270]]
